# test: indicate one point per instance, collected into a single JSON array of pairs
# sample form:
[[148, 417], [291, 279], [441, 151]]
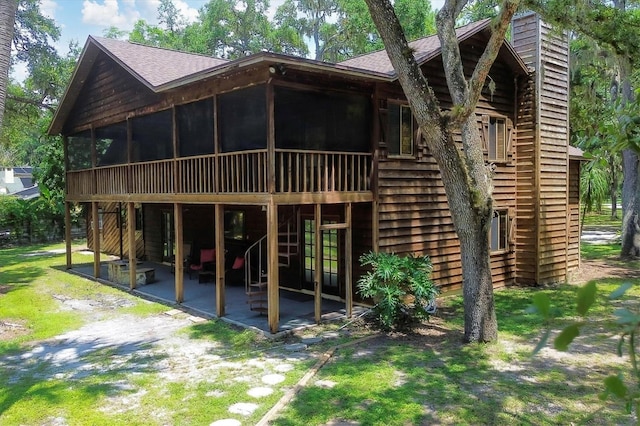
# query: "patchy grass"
[[599, 251], [603, 218], [192, 378], [435, 379], [424, 377], [35, 286]]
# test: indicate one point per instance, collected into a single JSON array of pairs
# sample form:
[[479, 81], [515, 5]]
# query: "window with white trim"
[[400, 133], [497, 143], [499, 234]]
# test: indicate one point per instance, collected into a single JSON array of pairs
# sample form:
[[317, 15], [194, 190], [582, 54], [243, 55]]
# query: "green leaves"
[[566, 336], [400, 287], [542, 305], [586, 297], [616, 386], [627, 319]]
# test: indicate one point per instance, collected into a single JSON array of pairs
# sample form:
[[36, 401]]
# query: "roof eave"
[[86, 60], [273, 58]]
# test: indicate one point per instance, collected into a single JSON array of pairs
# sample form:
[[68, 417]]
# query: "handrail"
[[247, 264], [298, 171]]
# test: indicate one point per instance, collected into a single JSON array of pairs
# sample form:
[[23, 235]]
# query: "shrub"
[[400, 287]]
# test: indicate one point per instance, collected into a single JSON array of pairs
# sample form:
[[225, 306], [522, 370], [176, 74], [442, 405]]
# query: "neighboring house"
[[258, 156], [18, 181]]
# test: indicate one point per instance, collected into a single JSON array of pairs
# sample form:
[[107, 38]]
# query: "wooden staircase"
[[256, 263]]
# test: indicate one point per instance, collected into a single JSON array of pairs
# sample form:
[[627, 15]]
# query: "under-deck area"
[[296, 309]]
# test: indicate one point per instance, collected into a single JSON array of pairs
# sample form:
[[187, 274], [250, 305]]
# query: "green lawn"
[[425, 377], [603, 218], [109, 384]]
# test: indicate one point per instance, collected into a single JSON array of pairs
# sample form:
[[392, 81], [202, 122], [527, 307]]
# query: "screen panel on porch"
[[195, 128], [111, 144], [242, 119], [79, 150], [322, 121], [152, 136]]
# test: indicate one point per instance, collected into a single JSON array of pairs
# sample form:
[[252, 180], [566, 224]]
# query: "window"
[[497, 143], [400, 134], [330, 256], [234, 224], [499, 235]]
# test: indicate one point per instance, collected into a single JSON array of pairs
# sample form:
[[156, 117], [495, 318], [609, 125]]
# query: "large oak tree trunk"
[[465, 176], [630, 244], [7, 23], [630, 224]]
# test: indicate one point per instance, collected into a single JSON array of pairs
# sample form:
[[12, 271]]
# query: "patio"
[[296, 309]]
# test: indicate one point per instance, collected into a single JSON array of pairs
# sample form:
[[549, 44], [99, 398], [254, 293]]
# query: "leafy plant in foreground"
[[400, 287], [628, 320]]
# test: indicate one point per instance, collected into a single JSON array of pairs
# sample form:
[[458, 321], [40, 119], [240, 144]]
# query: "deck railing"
[[236, 172], [319, 171]]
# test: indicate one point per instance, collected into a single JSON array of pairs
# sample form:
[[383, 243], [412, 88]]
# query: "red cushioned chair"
[[235, 275]]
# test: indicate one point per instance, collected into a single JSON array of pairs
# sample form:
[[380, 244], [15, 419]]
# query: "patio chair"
[[207, 262], [235, 274]]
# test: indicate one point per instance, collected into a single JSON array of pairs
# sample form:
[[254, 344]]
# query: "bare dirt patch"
[[10, 329], [608, 268]]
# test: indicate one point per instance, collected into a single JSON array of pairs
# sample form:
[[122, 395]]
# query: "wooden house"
[[298, 166]]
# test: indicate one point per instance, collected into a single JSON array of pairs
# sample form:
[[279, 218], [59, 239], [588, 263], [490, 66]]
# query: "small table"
[[118, 272]]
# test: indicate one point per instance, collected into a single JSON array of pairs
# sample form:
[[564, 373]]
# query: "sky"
[[78, 19]]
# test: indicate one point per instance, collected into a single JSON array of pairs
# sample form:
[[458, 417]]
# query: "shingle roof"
[[425, 49], [156, 66]]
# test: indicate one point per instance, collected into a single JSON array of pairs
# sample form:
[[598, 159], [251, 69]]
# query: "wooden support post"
[[131, 238], [271, 139], [317, 297], [67, 232], [179, 256], [375, 226], [273, 279], [220, 262], [348, 259], [95, 227]]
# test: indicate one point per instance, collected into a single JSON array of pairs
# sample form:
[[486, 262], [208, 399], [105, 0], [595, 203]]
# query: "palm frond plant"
[[400, 287]]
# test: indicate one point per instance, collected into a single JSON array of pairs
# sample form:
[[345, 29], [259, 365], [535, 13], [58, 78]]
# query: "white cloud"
[[190, 13], [48, 8], [108, 13]]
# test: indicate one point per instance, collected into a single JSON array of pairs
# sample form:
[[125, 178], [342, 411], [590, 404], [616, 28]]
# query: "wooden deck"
[[246, 172]]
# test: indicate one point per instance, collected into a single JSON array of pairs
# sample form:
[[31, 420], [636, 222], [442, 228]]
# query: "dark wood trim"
[[220, 262], [271, 138], [273, 279], [179, 239], [131, 234], [317, 281], [95, 223], [67, 233], [348, 260]]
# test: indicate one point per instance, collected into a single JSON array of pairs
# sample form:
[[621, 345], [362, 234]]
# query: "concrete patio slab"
[[296, 309]]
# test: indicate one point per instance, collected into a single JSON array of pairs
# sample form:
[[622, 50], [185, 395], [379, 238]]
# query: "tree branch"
[[608, 26], [469, 94], [500, 25], [28, 101], [401, 56]]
